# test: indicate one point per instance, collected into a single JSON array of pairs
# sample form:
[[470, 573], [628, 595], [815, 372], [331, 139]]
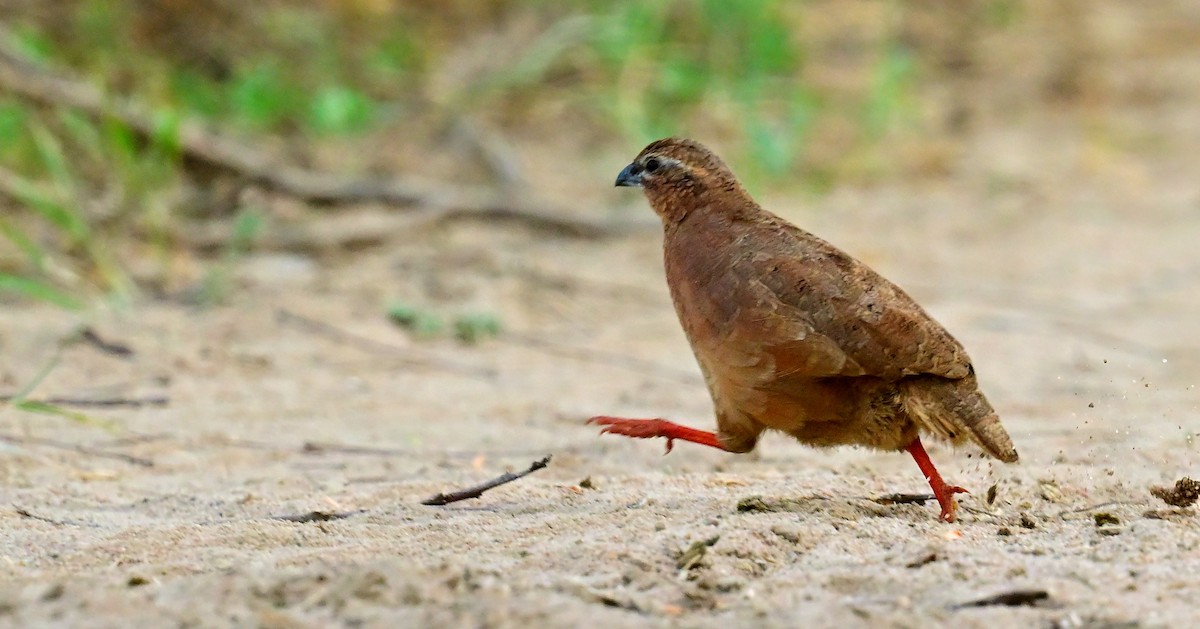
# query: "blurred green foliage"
[[314, 71], [685, 55], [471, 328], [422, 323], [217, 284]]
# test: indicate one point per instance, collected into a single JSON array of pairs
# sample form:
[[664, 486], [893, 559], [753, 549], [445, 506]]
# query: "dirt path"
[[1078, 304]]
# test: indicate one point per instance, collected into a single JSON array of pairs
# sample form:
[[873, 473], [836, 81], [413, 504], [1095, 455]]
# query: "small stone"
[[789, 533], [691, 557], [753, 504], [54, 592], [1050, 491]]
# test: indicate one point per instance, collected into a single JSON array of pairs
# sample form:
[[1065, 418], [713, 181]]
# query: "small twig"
[[1015, 598], [1111, 503], [477, 490], [602, 357], [406, 355], [976, 511], [50, 443], [25, 513], [318, 516], [89, 336], [101, 402], [903, 499]]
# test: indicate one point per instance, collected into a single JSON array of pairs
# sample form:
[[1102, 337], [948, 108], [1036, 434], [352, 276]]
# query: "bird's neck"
[[673, 208], [676, 204]]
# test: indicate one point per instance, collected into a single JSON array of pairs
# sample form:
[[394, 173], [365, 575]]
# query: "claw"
[[945, 497]]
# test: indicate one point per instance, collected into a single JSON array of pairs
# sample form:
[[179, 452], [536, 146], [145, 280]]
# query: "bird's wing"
[[820, 313]]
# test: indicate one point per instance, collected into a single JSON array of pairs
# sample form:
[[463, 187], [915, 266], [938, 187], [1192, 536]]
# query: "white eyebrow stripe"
[[662, 160]]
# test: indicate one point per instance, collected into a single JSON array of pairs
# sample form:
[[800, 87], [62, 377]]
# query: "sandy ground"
[[1077, 301]]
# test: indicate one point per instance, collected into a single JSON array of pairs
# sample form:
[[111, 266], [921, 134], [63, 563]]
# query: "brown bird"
[[792, 334]]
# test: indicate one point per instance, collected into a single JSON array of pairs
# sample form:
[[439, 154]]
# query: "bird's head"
[[673, 171]]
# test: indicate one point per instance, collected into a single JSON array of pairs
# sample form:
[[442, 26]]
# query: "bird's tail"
[[954, 409]]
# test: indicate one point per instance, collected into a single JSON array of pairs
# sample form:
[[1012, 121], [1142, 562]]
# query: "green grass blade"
[[53, 158], [33, 251], [32, 45], [43, 408], [35, 289], [82, 132], [20, 395], [20, 400], [43, 202]]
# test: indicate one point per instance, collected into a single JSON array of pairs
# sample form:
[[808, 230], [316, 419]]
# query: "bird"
[[794, 335]]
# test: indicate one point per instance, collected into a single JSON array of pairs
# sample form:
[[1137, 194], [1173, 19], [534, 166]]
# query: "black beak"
[[630, 177]]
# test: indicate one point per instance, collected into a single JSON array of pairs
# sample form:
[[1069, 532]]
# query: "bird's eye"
[[652, 164]]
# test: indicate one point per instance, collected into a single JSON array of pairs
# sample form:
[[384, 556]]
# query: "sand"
[[1076, 296]]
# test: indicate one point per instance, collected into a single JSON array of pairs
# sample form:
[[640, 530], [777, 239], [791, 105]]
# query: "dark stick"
[[903, 499], [25, 513], [318, 516], [477, 490], [89, 336], [1015, 598]]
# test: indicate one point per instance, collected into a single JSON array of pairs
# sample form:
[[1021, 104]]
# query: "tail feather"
[[955, 409]]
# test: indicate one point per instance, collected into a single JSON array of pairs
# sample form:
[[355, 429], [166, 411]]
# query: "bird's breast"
[[720, 308]]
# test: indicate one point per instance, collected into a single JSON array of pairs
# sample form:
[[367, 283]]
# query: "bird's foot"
[[651, 428], [945, 497], [943, 492]]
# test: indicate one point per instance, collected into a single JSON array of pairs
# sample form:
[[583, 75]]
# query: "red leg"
[[650, 428], [943, 492]]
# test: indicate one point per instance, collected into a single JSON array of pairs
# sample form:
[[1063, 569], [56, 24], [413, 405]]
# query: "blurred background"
[[261, 258], [111, 187]]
